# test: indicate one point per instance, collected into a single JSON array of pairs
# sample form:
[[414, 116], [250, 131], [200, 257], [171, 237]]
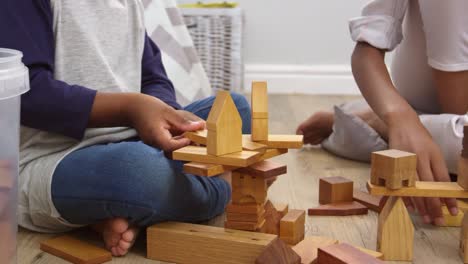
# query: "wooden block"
[[462, 205], [259, 130], [189, 243], [307, 249], [463, 172], [339, 209], [271, 153], [245, 226], [206, 170], [252, 208], [463, 246], [199, 137], [75, 251], [281, 208], [199, 154], [279, 253], [272, 218], [259, 111], [450, 220], [265, 169], [373, 202], [372, 253], [292, 227], [335, 190], [422, 189], [248, 144], [393, 168], [242, 217], [344, 254], [284, 141], [395, 233], [245, 186]]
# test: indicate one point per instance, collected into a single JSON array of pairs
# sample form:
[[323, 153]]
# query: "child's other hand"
[[408, 134], [156, 122]]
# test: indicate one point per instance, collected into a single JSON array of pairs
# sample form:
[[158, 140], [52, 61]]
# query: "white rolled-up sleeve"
[[380, 24]]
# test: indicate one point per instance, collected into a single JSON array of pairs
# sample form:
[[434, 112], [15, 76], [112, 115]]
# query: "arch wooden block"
[[393, 168], [395, 233], [248, 189]]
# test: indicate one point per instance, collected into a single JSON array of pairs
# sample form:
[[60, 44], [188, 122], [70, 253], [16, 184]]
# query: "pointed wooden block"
[[279, 253], [393, 168], [339, 209], [335, 190], [75, 251], [463, 172], [373, 202], [259, 111], [292, 227], [188, 243], [265, 169], [199, 154], [307, 249], [272, 218], [422, 189], [344, 254], [395, 234]]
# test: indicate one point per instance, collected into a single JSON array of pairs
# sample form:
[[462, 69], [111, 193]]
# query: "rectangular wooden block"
[[243, 217], [245, 226], [375, 254], [339, 209], [200, 154], [393, 168], [373, 202], [259, 129], [75, 251], [265, 169], [450, 220], [198, 137], [335, 190], [422, 189], [463, 172], [344, 254], [205, 169], [252, 208], [308, 248], [284, 141], [292, 227], [188, 243]]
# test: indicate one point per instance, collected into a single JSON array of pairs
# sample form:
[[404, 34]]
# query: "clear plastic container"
[[14, 81]]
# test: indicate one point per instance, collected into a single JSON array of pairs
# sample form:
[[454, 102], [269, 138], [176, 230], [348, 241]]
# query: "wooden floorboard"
[[299, 188]]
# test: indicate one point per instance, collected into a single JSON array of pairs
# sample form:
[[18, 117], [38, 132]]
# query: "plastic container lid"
[[14, 76]]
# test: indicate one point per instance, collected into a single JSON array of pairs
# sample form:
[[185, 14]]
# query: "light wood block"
[[200, 137], [284, 141], [259, 130], [422, 189], [189, 243], [199, 154], [375, 254], [339, 209], [335, 190], [279, 253], [75, 251], [265, 169], [450, 220], [292, 227], [248, 189], [393, 168], [395, 233], [344, 254], [308, 248], [373, 202], [463, 172], [259, 111], [224, 125], [248, 144]]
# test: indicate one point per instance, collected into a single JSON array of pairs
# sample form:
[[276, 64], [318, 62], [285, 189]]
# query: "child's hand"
[[410, 135], [188, 116], [156, 122]]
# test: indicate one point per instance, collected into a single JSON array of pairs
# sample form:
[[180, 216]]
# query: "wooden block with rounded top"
[[335, 190], [344, 254], [292, 227], [259, 129], [75, 251], [308, 248], [393, 168]]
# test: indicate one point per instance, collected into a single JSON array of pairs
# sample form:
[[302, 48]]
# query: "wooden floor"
[[299, 188]]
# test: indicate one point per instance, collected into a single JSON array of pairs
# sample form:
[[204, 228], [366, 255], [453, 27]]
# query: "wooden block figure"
[[463, 172], [248, 189], [464, 239], [224, 126], [292, 227], [259, 111], [335, 190], [395, 233], [393, 168]]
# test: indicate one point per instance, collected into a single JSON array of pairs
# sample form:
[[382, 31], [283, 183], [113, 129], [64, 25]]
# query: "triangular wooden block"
[[344, 254], [279, 253], [395, 234], [308, 248], [373, 202], [272, 218]]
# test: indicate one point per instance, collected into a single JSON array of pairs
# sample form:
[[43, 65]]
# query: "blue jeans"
[[135, 181]]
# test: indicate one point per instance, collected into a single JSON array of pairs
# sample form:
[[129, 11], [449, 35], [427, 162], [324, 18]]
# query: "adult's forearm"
[[452, 91], [373, 79]]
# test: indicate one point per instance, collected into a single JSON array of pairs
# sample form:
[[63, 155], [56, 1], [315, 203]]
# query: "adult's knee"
[[244, 110]]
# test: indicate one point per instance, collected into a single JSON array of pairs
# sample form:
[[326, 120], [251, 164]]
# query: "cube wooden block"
[[393, 168], [292, 227], [335, 190], [248, 189]]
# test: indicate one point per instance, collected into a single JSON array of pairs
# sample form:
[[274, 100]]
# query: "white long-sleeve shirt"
[[425, 34]]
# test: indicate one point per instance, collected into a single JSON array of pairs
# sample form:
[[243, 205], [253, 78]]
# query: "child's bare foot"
[[118, 236], [317, 128]]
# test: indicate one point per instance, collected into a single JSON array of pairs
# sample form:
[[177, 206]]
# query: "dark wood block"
[[339, 209]]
